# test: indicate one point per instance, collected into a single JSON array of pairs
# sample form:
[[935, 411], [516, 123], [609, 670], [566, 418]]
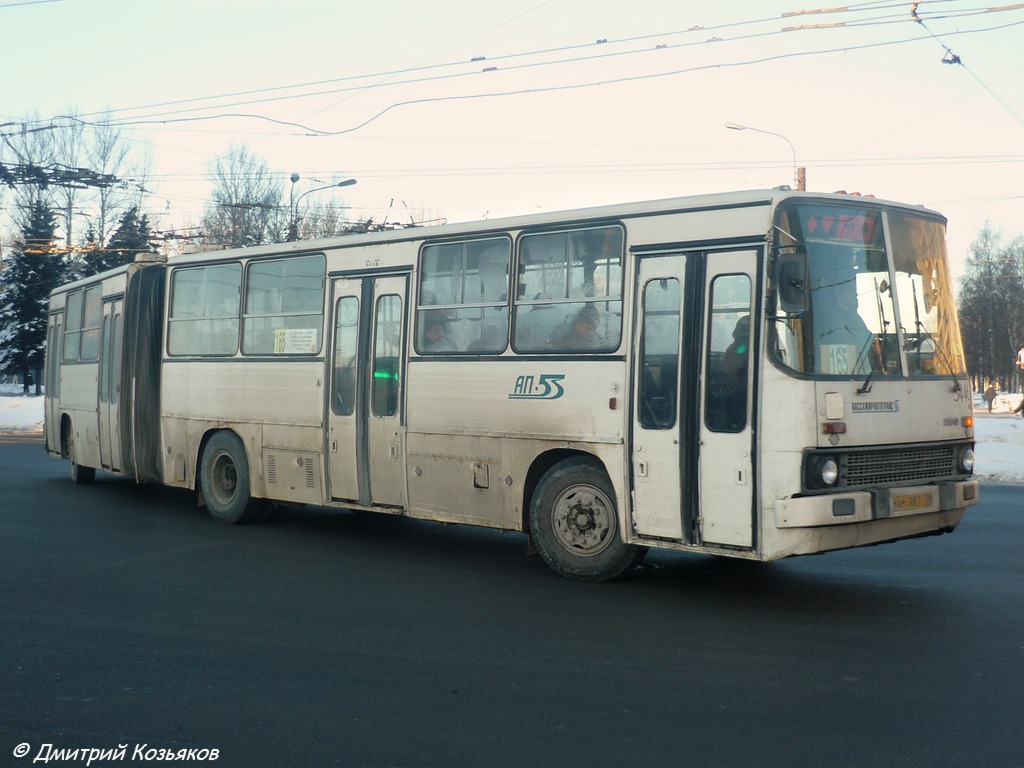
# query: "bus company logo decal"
[[882, 406], [547, 386]]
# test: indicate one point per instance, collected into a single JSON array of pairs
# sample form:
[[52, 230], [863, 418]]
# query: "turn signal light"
[[833, 428]]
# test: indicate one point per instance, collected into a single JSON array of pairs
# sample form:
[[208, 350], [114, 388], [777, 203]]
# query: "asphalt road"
[[325, 638]]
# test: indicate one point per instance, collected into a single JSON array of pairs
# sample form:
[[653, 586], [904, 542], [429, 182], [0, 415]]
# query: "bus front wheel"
[[224, 480], [574, 523]]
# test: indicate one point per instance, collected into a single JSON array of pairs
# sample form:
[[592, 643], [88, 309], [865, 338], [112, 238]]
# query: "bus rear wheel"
[[79, 475], [574, 523], [224, 481]]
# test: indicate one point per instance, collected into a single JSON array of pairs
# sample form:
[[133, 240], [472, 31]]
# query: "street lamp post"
[[799, 172], [293, 204], [292, 228]]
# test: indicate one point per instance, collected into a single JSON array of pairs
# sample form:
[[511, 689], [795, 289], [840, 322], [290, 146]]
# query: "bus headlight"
[[966, 460], [823, 472]]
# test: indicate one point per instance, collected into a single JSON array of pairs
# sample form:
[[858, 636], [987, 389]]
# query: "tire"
[[224, 481], [79, 475], [574, 523]]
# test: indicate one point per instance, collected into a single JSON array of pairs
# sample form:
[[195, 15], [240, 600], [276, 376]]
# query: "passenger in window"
[[435, 334], [581, 333], [734, 360], [492, 339], [734, 377]]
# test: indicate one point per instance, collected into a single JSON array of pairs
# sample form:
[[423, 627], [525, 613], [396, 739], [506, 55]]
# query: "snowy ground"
[[999, 435]]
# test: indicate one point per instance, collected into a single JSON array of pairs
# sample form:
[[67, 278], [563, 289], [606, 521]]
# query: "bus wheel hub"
[[582, 520]]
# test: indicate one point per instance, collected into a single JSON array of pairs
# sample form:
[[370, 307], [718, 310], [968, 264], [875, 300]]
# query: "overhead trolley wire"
[[159, 119], [490, 61]]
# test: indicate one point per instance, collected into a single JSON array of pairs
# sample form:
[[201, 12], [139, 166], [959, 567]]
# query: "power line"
[[160, 119], [604, 44], [28, 2], [952, 58], [431, 67]]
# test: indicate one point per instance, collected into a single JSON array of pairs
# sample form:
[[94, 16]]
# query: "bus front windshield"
[[861, 308]]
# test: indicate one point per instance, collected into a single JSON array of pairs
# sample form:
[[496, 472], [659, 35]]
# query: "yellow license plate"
[[911, 502]]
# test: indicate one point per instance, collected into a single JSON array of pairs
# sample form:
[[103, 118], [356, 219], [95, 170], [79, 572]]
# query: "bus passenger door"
[[54, 353], [658, 454], [726, 436], [109, 384], [366, 375]]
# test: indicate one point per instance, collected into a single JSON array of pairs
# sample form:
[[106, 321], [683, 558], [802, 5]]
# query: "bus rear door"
[[54, 352], [660, 453], [110, 384], [366, 375]]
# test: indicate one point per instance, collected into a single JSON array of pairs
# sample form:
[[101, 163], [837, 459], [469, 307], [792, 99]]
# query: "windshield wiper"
[[864, 388], [883, 324], [923, 334]]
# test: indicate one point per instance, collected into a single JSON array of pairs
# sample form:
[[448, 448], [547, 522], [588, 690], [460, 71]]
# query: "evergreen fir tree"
[[29, 274], [130, 239]]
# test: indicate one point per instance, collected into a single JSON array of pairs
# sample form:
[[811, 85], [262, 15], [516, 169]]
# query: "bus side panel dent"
[[458, 479], [179, 466], [84, 427]]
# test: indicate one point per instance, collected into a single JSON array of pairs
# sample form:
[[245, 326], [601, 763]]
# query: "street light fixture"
[[293, 223], [799, 173]]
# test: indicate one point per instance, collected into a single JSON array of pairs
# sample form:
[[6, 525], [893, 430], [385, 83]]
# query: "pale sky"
[[388, 93]]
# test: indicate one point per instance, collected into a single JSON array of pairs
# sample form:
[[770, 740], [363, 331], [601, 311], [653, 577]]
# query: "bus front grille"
[[898, 466]]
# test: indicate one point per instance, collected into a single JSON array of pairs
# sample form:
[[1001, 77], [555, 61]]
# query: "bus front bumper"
[[878, 504]]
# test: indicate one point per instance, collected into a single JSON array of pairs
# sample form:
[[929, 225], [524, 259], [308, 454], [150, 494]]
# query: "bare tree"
[[68, 152], [75, 167], [246, 206], [30, 149], [990, 308], [322, 220], [109, 153]]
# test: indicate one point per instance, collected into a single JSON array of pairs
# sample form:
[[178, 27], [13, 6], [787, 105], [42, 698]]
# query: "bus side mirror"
[[791, 282]]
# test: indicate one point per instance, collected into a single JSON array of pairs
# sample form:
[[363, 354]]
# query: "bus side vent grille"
[[271, 469], [310, 475], [901, 465]]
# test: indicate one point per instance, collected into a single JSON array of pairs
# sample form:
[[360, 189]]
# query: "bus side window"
[[386, 355], [203, 316], [343, 397], [463, 297], [659, 355], [569, 291], [73, 326], [728, 355], [284, 306], [91, 323]]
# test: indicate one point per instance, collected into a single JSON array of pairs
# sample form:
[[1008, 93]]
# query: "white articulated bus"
[[756, 374]]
